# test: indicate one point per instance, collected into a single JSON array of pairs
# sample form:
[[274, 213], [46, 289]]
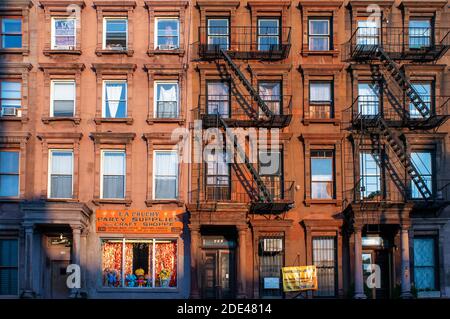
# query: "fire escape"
[[381, 126], [252, 110]]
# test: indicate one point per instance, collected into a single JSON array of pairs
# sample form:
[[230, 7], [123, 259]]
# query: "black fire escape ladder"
[[396, 145], [403, 82], [263, 191], [254, 94]]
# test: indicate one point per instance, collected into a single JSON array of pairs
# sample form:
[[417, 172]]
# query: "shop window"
[[168, 33], [271, 172], [370, 178], [218, 34], [9, 267], [218, 95], [321, 99], [425, 263], [10, 97], [11, 33], [271, 260], [424, 89], [115, 36], [319, 34], [9, 174], [268, 34], [63, 98], [64, 33], [113, 175], [420, 31], [114, 99], [423, 162], [166, 99], [322, 176], [324, 258], [270, 92], [61, 174], [143, 263], [166, 175]]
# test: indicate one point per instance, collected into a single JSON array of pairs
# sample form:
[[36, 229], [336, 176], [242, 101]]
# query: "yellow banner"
[[299, 278]]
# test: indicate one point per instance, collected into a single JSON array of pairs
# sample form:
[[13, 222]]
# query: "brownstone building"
[[191, 149]]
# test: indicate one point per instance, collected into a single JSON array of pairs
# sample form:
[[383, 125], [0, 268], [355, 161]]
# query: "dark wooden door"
[[218, 273], [59, 288]]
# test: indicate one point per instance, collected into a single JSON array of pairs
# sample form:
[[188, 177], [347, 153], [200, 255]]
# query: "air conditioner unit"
[[272, 244], [9, 111], [167, 47]]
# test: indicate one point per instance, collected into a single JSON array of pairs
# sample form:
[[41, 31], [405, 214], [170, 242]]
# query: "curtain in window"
[[424, 263], [324, 260], [320, 92], [368, 99], [270, 92], [167, 34], [218, 98], [167, 100], [319, 35], [114, 175], [115, 100], [61, 175], [112, 263], [9, 174], [9, 250], [322, 178], [166, 174], [166, 261]]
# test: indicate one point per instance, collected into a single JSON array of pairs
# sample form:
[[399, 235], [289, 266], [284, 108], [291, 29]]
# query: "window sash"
[[320, 92], [218, 35], [5, 34], [112, 36], [322, 185], [63, 98], [166, 102], [165, 175], [68, 34], [115, 106], [9, 174], [162, 35], [11, 97], [113, 179], [370, 175], [61, 174]]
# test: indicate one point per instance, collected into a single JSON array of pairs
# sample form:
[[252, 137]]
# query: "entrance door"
[[218, 273], [382, 258], [58, 287]]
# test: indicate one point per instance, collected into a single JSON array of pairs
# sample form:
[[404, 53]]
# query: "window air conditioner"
[[9, 111]]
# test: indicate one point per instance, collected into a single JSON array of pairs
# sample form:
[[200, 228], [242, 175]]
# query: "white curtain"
[[167, 92], [62, 163], [166, 175], [166, 164], [64, 91], [113, 94], [114, 163], [320, 92]]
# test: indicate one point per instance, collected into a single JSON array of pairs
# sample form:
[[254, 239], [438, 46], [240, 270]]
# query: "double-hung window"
[[370, 179], [64, 33], [9, 174], [319, 34], [423, 162], [113, 174], [322, 174], [271, 171], [368, 33], [61, 174], [420, 32], [218, 32], [114, 99], [11, 33], [368, 99], [270, 93], [268, 34], [10, 97], [324, 258], [9, 266], [321, 99], [115, 35], [166, 101], [424, 89], [167, 34], [217, 176], [425, 263], [218, 95], [165, 169], [63, 98]]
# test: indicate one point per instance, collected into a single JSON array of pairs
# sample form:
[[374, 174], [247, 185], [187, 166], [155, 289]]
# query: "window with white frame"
[[423, 162], [319, 34], [165, 177], [166, 99], [114, 99], [425, 92], [115, 33], [63, 98], [167, 35], [64, 33], [9, 174], [10, 97], [113, 174], [61, 174], [9, 266], [322, 174], [370, 176]]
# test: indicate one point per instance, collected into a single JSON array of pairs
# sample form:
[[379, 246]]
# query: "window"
[[61, 172], [166, 99], [9, 174], [425, 263], [114, 99], [319, 34], [218, 95], [218, 34], [115, 35], [63, 98], [423, 162], [113, 174], [143, 263], [271, 260], [320, 99], [268, 34], [9, 267], [324, 258], [322, 177], [217, 176], [270, 92], [165, 175], [370, 179], [368, 99], [368, 32], [424, 89], [168, 32], [271, 171], [420, 32], [10, 97], [11, 33], [64, 33]]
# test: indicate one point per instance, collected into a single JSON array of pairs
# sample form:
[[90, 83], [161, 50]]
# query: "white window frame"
[[18, 175], [105, 19], [102, 156], [155, 96], [53, 33], [104, 96], [50, 172], [154, 175], [52, 92], [319, 35], [157, 30]]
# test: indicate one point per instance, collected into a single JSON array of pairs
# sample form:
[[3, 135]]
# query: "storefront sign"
[[299, 278], [271, 283], [138, 221]]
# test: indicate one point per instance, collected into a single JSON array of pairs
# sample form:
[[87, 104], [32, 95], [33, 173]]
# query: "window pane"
[[268, 27], [9, 162], [62, 162], [167, 97], [61, 186], [116, 97], [64, 90], [166, 175], [270, 163], [65, 27], [168, 34], [319, 43], [9, 185], [424, 263], [319, 27], [114, 163], [113, 186], [218, 27], [422, 161], [324, 259], [270, 92], [112, 263], [370, 176], [218, 98], [320, 92], [116, 34], [11, 90], [166, 264], [116, 25], [424, 91], [368, 100]]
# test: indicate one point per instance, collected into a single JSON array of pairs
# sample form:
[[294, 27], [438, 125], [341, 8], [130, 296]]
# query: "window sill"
[[14, 118], [62, 200], [179, 52], [48, 119], [48, 52], [334, 121], [100, 120], [10, 200], [99, 201], [334, 53], [152, 120], [14, 51], [309, 202], [151, 202], [100, 52]]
